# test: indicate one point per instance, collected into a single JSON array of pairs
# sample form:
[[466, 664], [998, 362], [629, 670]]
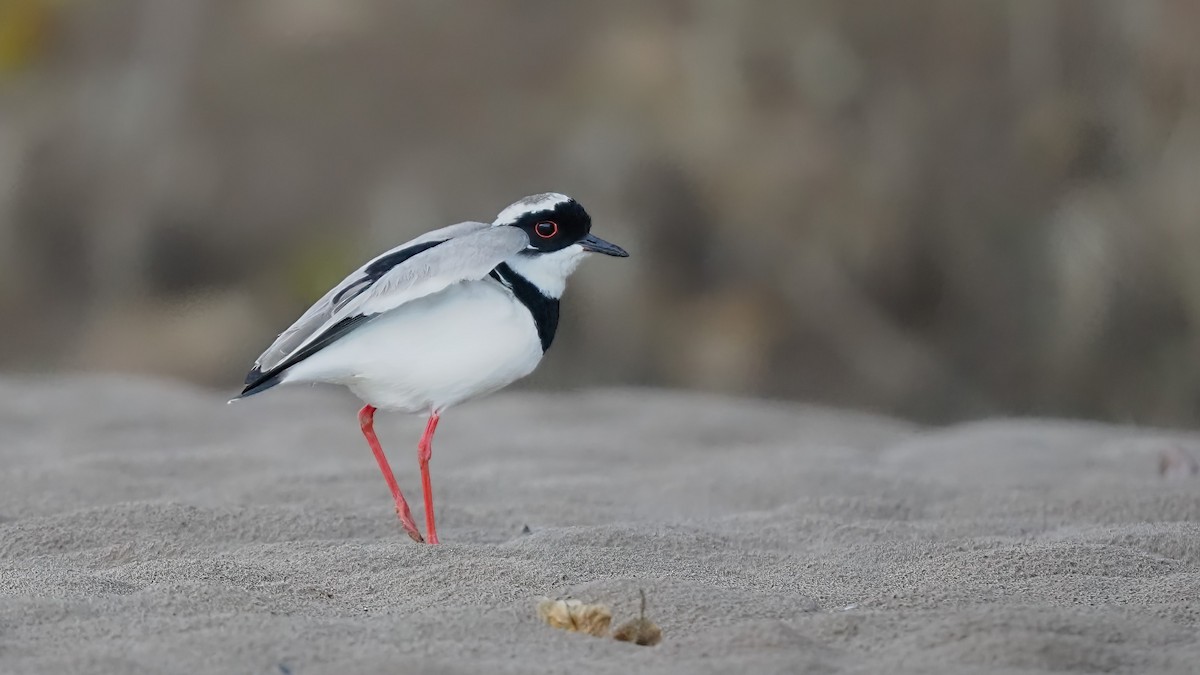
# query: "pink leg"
[[366, 418], [424, 452]]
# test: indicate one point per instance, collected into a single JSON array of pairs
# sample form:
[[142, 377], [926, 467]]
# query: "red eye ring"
[[546, 229]]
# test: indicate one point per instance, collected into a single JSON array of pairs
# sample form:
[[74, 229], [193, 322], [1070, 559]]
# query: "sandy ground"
[[146, 527]]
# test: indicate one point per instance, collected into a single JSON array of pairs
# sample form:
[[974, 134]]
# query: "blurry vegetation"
[[23, 32], [936, 208], [316, 266]]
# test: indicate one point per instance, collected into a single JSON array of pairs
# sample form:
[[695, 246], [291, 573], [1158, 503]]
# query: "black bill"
[[598, 245]]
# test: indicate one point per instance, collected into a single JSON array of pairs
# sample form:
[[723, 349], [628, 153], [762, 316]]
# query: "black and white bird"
[[454, 314]]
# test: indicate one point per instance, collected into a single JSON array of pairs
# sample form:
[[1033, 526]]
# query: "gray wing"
[[428, 264]]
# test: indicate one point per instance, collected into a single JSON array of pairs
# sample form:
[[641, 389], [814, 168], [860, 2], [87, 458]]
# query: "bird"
[[452, 315]]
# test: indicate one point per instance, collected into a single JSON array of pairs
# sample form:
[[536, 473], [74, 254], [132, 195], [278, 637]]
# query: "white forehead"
[[530, 204]]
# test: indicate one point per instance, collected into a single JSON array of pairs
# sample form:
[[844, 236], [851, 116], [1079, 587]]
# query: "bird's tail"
[[257, 382]]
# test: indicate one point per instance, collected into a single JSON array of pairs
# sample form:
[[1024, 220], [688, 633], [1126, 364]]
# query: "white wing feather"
[[471, 250]]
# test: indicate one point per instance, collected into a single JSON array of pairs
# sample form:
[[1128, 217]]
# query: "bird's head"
[[559, 232]]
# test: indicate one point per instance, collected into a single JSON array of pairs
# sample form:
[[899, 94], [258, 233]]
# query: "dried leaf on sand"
[[576, 616]]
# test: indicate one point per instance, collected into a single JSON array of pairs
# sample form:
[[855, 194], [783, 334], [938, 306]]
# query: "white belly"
[[469, 340]]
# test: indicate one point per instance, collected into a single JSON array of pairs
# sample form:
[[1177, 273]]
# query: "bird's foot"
[[409, 526]]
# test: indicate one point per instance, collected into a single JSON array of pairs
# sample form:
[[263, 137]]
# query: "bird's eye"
[[546, 229]]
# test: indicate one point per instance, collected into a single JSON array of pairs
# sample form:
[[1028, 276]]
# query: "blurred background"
[[941, 209]]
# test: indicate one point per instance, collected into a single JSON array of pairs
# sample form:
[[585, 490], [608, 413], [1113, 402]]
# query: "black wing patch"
[[253, 375], [380, 267], [257, 380]]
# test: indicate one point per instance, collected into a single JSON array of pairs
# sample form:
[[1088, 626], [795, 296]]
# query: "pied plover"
[[454, 314]]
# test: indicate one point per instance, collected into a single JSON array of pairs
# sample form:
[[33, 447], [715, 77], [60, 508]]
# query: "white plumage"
[[432, 353]]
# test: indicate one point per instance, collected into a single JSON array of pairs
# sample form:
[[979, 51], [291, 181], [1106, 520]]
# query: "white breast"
[[469, 340]]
